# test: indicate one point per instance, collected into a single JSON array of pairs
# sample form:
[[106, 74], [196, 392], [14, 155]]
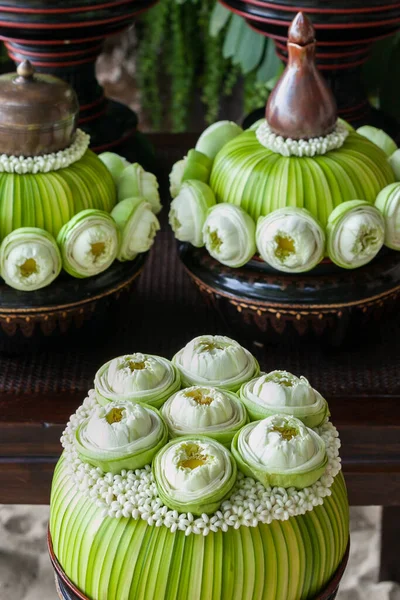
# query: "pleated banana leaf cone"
[[68, 591]]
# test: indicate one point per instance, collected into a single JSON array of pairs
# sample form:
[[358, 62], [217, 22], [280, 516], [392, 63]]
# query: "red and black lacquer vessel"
[[64, 39], [346, 29]]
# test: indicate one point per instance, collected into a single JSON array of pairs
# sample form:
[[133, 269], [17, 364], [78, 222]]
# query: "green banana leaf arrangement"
[[135, 516], [73, 196], [288, 173]]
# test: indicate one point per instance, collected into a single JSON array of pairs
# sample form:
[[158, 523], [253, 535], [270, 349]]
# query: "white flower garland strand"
[[133, 494], [47, 162], [311, 147]]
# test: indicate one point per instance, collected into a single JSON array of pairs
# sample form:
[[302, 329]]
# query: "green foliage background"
[[190, 45]]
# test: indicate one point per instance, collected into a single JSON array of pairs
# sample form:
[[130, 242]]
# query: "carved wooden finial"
[[301, 106]]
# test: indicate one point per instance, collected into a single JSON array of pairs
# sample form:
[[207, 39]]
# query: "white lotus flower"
[[117, 425], [194, 474], [137, 377], [290, 239], [122, 435], [284, 393], [29, 259], [138, 226], [388, 203], [189, 210], [204, 410], [134, 181], [356, 232], [280, 451], [216, 361], [229, 235], [89, 243]]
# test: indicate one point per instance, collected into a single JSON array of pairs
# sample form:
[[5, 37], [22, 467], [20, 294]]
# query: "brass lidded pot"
[[38, 113]]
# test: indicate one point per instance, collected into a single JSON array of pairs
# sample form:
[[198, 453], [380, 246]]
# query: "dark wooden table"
[[38, 392]]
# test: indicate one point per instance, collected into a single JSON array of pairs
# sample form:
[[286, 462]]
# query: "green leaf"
[[233, 35], [250, 50], [271, 64], [219, 18]]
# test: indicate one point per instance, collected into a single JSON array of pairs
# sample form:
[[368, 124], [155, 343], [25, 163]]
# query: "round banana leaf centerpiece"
[[199, 478], [74, 227], [289, 227]]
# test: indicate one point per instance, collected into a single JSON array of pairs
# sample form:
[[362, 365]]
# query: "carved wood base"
[[329, 303]]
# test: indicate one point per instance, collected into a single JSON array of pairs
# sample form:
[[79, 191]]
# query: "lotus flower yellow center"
[[199, 397], [281, 442], [116, 426], [93, 246], [29, 267], [215, 240], [209, 347], [284, 246], [367, 237], [134, 373], [287, 433], [97, 249], [137, 366], [115, 415], [194, 457], [29, 264], [191, 467]]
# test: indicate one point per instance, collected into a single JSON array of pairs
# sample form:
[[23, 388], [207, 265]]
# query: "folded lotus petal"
[[29, 259], [280, 451], [394, 161], [379, 138], [217, 361], [121, 435], [209, 411], [114, 163], [229, 235], [138, 226], [142, 378], [175, 176], [388, 204], [355, 234], [189, 210], [89, 243], [290, 240], [216, 136], [194, 474], [134, 181], [280, 392]]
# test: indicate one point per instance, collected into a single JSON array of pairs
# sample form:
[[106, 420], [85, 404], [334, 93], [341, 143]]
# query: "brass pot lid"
[[32, 104]]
